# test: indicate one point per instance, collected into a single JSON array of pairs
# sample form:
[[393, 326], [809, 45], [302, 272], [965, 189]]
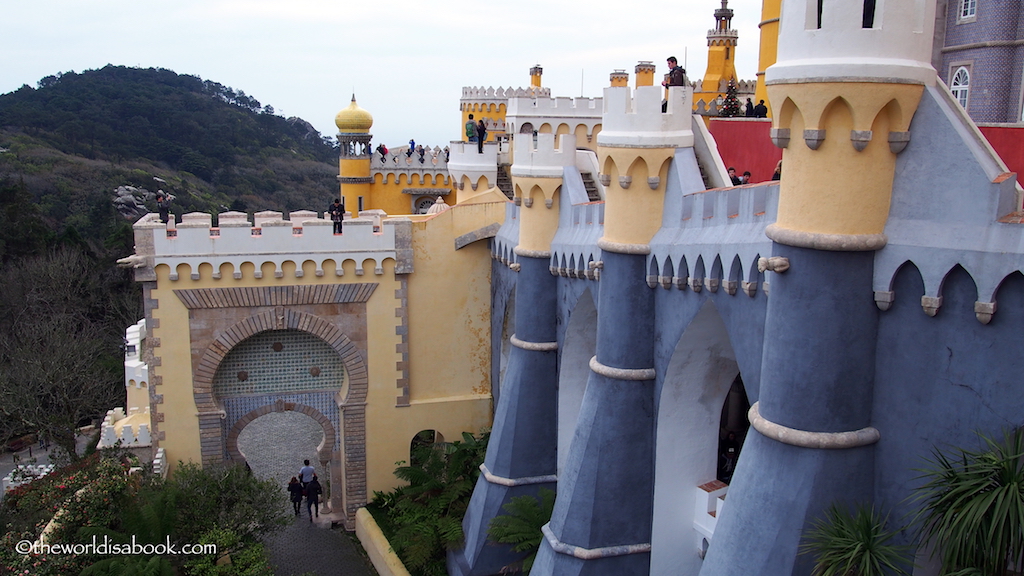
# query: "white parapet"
[[710, 498], [489, 95], [536, 112], [635, 120], [466, 162], [131, 431], [897, 48], [23, 474], [305, 237], [541, 159]]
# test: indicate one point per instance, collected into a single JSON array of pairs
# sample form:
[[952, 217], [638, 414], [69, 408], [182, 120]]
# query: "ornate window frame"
[[960, 83]]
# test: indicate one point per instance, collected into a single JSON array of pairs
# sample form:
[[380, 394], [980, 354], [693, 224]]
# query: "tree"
[[60, 345], [973, 506], [731, 105]]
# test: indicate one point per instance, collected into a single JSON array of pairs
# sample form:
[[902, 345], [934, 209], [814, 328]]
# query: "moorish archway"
[[348, 467]]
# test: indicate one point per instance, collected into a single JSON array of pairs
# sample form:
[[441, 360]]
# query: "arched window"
[[960, 85]]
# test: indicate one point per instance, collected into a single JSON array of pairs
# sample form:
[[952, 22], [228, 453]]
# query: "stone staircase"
[[504, 182], [591, 186]]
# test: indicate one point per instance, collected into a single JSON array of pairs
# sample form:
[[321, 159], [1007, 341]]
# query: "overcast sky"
[[406, 61]]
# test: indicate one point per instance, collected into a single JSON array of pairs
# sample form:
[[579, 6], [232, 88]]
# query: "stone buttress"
[[841, 117], [522, 453], [602, 518]]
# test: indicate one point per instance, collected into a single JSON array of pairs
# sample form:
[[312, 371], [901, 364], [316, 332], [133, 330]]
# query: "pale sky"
[[407, 61]]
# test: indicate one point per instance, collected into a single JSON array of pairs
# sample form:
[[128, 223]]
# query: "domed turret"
[[353, 120]]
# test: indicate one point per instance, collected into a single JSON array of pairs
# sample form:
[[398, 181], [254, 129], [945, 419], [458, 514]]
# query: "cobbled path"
[[275, 446]]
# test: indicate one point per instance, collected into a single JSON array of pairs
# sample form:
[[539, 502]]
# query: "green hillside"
[[81, 157]]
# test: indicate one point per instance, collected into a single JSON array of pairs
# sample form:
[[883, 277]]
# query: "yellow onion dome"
[[354, 119]]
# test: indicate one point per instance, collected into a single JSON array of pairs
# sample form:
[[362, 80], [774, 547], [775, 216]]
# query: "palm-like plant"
[[973, 511], [854, 544]]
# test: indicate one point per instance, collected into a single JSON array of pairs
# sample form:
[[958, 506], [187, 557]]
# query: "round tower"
[[722, 40], [644, 72], [354, 165], [615, 491], [769, 47], [535, 74], [846, 85], [844, 90]]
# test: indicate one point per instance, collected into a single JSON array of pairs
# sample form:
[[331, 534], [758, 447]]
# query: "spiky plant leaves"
[[973, 506], [857, 544], [522, 523]]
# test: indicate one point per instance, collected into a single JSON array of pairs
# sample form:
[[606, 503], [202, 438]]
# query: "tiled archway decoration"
[[352, 407]]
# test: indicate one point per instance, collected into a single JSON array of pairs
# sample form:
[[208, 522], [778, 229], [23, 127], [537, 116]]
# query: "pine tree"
[[731, 105]]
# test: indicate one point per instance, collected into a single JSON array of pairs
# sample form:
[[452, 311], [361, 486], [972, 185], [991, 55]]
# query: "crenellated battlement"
[[270, 239], [397, 162], [742, 86], [555, 107], [541, 159], [467, 165], [473, 93], [836, 45], [635, 119]]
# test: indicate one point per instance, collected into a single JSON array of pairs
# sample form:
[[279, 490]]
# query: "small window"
[[960, 85], [360, 203], [820, 2], [868, 20], [968, 9]]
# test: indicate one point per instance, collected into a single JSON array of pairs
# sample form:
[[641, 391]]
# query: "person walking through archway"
[[295, 493], [313, 492]]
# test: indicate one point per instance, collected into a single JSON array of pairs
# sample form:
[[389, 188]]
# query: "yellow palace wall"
[[389, 196], [448, 342], [444, 363]]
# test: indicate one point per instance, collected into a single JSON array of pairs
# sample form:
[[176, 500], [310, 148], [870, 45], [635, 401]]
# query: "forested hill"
[[81, 158], [81, 135], [195, 125]]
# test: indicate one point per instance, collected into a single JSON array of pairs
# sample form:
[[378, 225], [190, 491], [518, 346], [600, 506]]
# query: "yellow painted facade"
[[538, 213], [407, 340], [835, 189], [769, 47], [633, 213], [487, 111], [387, 191]]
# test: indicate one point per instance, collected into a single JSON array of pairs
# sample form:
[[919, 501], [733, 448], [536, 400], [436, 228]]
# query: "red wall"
[[745, 143], [1008, 142]]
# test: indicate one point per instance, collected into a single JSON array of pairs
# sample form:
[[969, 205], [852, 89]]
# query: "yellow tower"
[[619, 79], [535, 74], [769, 49], [845, 88], [644, 73], [721, 55], [354, 165]]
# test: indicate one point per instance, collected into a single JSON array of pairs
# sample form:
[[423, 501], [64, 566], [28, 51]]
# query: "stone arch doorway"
[[274, 444], [695, 386], [322, 453], [343, 409]]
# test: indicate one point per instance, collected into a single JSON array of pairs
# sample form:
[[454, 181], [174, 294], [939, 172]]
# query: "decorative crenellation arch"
[[352, 408]]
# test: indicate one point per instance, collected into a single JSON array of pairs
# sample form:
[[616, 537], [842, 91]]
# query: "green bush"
[[424, 519]]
